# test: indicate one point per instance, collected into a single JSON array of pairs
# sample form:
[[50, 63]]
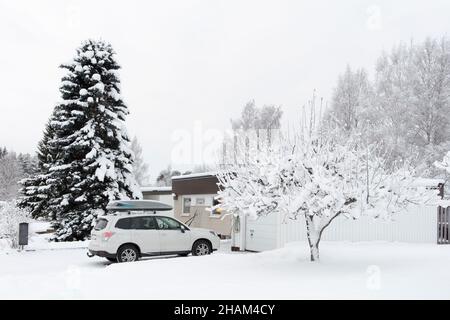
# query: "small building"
[[194, 197], [162, 194]]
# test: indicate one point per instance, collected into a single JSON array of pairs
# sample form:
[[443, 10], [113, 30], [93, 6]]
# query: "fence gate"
[[443, 225]]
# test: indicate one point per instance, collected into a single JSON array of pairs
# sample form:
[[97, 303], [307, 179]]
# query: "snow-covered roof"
[[195, 175], [156, 189]]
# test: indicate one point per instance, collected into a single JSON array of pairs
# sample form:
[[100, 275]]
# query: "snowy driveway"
[[347, 270]]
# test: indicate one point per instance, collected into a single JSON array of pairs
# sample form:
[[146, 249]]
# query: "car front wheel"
[[128, 253], [201, 248]]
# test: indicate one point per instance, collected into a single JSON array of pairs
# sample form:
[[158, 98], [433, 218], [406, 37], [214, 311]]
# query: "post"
[[441, 190], [23, 235], [439, 209]]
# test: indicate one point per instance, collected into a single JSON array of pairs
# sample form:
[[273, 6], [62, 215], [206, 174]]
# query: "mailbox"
[[23, 234]]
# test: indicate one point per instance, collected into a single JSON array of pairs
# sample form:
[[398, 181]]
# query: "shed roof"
[[153, 189], [195, 175]]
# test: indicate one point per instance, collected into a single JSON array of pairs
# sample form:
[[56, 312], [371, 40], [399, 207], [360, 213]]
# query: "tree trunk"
[[313, 238], [314, 248]]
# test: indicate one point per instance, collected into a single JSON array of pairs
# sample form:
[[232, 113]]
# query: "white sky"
[[186, 61]]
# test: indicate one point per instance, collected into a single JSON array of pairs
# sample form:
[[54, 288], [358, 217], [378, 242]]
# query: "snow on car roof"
[[138, 205]]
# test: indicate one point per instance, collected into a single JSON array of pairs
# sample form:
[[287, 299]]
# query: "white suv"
[[127, 237]]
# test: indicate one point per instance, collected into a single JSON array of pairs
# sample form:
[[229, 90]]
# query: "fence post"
[[446, 226], [441, 190]]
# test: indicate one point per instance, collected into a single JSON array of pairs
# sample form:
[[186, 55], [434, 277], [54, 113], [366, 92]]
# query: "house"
[[420, 224], [194, 196], [163, 194]]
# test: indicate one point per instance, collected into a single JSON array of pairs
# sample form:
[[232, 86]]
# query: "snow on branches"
[[10, 218], [89, 160], [444, 164], [319, 180]]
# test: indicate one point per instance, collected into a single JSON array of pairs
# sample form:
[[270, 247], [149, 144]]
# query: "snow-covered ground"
[[347, 270]]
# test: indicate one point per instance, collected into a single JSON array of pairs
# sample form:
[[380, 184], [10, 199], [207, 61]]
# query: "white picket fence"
[[418, 224]]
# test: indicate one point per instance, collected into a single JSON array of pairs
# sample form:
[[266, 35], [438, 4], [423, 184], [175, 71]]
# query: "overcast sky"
[[188, 61]]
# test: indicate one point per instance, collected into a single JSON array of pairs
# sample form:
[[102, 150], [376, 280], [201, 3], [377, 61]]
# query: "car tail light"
[[107, 235]]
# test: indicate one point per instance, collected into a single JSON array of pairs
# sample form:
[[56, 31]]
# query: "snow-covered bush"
[[319, 180], [10, 218], [444, 164]]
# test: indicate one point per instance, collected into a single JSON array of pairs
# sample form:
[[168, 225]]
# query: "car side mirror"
[[183, 230]]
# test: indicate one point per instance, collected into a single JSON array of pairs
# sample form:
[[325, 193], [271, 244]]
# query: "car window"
[[167, 223], [124, 224], [101, 224], [143, 223]]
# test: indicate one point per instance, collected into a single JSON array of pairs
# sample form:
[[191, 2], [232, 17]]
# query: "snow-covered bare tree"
[[431, 91], [11, 172], [256, 125], [265, 118], [393, 98], [164, 178], [444, 164], [318, 180], [10, 218], [351, 101], [408, 109], [140, 168], [93, 164]]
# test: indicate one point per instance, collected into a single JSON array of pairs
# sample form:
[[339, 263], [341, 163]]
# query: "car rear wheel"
[[127, 253], [201, 248]]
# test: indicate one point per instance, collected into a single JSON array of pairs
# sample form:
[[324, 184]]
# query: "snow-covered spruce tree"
[[28, 164], [35, 190], [319, 181], [94, 162]]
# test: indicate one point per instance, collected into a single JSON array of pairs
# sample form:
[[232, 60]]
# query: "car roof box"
[[138, 205]]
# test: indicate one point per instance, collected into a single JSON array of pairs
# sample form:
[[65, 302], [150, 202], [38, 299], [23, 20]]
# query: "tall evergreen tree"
[[45, 154], [93, 164], [35, 192], [28, 164], [3, 152]]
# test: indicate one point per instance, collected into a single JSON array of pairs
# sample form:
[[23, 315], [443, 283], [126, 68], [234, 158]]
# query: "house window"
[[187, 205], [200, 201]]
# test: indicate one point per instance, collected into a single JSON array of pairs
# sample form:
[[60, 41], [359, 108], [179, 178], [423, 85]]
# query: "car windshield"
[[101, 224]]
